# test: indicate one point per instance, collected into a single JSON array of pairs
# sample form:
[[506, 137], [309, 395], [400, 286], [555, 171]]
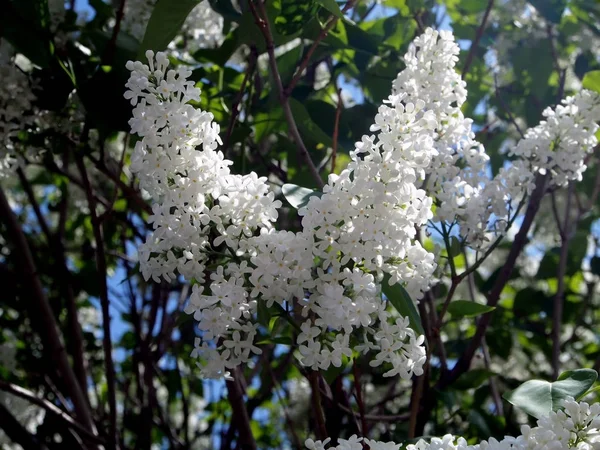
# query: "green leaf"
[[595, 265], [165, 22], [294, 15], [263, 314], [455, 247], [333, 372], [551, 10], [591, 81], [331, 6], [400, 300], [465, 308], [298, 196], [473, 379], [538, 398], [309, 129], [24, 23]]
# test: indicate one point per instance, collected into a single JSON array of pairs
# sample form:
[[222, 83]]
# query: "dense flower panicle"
[[358, 233], [456, 176], [332, 270], [559, 144], [352, 443], [197, 199], [576, 426], [203, 28]]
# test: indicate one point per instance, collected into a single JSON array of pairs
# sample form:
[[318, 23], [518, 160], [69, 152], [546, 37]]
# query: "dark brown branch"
[[263, 25], [478, 36], [104, 303], [336, 130], [51, 408], [333, 20], [519, 243], [41, 313], [240, 413], [235, 109], [109, 53], [559, 298], [17, 432], [64, 276], [321, 428]]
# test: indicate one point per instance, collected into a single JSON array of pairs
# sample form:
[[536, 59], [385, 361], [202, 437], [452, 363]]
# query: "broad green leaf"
[[551, 10], [400, 300], [538, 398], [24, 23], [298, 196], [226, 9], [165, 22], [455, 247], [465, 308], [333, 372], [294, 15], [473, 379], [595, 265], [591, 81], [311, 132], [282, 340], [331, 6], [263, 314]]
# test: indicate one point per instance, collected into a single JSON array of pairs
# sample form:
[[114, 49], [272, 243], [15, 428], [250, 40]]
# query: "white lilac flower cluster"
[[577, 426], [203, 27], [197, 199], [353, 443], [559, 144], [456, 175], [359, 231], [208, 220], [16, 103]]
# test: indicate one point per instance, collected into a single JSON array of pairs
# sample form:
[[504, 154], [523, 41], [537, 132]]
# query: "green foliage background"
[[517, 66]]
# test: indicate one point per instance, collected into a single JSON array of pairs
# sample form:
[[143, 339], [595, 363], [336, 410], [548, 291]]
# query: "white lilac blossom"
[[559, 144], [576, 426], [352, 443], [208, 220], [203, 27], [456, 175], [197, 196], [360, 231]]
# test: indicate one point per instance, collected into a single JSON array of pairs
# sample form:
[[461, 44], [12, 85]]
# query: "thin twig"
[[288, 419], [76, 347], [17, 433], [558, 301], [484, 347], [240, 413], [336, 130], [333, 20], [506, 109], [359, 398], [50, 407], [104, 303], [321, 428], [475, 43], [109, 53], [464, 362], [235, 109], [42, 313], [263, 25]]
